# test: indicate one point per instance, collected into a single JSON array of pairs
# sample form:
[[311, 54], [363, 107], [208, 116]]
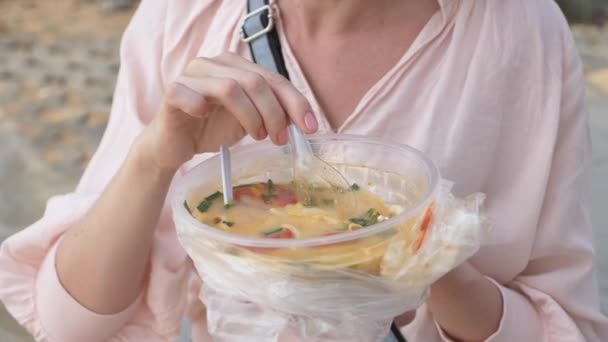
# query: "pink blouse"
[[491, 90]]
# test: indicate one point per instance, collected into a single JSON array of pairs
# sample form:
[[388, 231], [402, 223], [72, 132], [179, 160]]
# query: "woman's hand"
[[217, 101]]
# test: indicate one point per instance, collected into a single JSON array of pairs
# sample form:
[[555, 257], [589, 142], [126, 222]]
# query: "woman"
[[491, 90]]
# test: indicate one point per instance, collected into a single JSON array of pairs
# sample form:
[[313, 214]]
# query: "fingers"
[[181, 97], [295, 105], [222, 91], [260, 94], [263, 102]]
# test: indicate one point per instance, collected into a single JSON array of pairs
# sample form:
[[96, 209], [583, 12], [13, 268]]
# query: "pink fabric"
[[53, 308], [492, 91]]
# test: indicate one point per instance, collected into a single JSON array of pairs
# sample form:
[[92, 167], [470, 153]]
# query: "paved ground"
[[56, 83], [58, 62], [593, 44]]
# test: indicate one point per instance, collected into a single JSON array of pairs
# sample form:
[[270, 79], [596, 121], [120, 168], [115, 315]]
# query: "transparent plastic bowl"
[[399, 174]]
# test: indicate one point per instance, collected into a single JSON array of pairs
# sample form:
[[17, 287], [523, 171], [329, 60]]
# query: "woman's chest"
[[339, 74]]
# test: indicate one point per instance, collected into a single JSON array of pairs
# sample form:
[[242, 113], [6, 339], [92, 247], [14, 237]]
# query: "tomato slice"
[[285, 196], [280, 196], [245, 191], [283, 233], [424, 226]]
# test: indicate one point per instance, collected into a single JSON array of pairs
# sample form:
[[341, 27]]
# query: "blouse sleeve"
[[560, 281], [29, 285], [556, 297]]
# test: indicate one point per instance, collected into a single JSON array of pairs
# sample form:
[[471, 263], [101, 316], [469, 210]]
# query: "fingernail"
[[311, 122], [282, 137], [262, 133]]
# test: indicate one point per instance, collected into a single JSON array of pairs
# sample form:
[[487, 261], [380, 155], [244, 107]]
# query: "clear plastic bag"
[[254, 295], [344, 287]]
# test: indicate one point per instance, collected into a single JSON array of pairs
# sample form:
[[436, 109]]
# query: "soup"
[[275, 211], [271, 210]]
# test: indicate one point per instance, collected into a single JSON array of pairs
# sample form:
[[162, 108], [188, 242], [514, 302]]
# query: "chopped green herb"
[[369, 218], [214, 195], [204, 206], [187, 207], [309, 202], [272, 231], [270, 192], [228, 223], [208, 201], [228, 206], [360, 221], [355, 187], [242, 186]]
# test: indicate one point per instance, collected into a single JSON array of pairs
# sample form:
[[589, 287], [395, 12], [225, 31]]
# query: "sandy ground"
[[58, 62]]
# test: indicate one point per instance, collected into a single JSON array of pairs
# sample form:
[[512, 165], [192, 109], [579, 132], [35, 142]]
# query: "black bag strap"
[[259, 31]]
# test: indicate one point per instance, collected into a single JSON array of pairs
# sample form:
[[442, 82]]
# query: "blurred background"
[[58, 64]]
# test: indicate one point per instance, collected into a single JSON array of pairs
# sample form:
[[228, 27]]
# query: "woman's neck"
[[337, 17]]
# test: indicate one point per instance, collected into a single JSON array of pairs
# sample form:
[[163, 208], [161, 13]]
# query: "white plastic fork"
[[309, 170], [226, 174]]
